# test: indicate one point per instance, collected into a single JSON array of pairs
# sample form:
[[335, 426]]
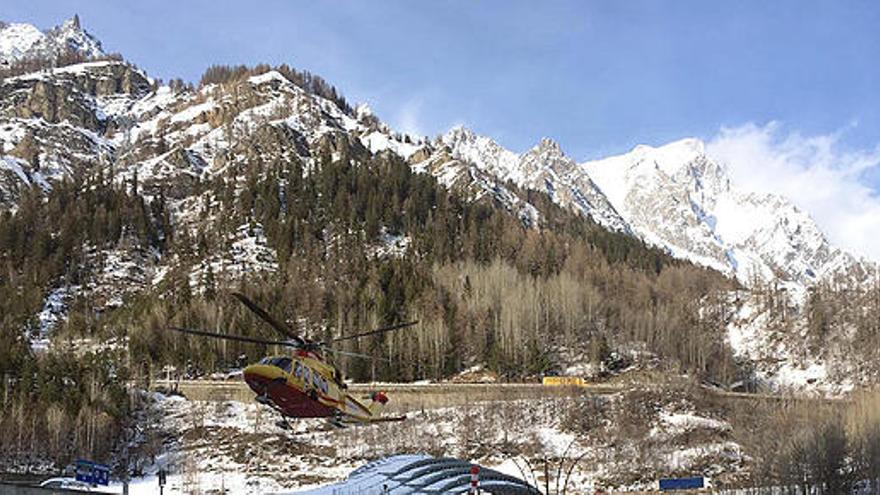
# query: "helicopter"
[[305, 384]]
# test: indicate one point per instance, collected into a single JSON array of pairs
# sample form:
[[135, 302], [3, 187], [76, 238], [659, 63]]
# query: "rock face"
[[61, 122], [546, 168]]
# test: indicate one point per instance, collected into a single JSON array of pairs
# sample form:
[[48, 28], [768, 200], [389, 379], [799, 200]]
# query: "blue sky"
[[599, 77]]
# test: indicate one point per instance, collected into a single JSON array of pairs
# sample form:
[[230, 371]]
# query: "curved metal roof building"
[[412, 474]]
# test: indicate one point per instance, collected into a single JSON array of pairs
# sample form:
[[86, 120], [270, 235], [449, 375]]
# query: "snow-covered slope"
[[20, 41], [678, 197], [201, 444]]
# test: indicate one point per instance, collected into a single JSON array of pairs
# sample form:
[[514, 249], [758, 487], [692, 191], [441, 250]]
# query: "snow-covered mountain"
[[543, 168], [679, 197], [676, 197], [19, 41]]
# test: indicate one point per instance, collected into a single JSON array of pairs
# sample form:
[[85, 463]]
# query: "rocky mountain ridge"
[[20, 42]]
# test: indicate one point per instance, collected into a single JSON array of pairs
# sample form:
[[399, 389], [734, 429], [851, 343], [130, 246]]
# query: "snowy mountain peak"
[[546, 156], [19, 41], [363, 111], [458, 134], [72, 23], [481, 151], [72, 36], [669, 158], [677, 197], [548, 145]]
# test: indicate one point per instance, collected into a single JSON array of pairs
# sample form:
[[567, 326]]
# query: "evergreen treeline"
[[66, 403], [68, 57]]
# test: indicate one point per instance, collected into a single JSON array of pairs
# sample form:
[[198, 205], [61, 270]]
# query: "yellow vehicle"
[[564, 381], [305, 384]]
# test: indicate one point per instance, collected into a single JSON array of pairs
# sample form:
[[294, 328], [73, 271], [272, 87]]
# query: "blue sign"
[[84, 471], [681, 483], [92, 473], [101, 474]]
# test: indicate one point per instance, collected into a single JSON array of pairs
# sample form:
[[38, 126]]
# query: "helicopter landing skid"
[[336, 420], [337, 423]]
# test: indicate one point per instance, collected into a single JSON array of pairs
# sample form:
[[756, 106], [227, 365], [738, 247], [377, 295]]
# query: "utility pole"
[[546, 478], [161, 481]]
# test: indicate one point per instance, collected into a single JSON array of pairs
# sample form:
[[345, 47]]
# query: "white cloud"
[[814, 172], [408, 118]]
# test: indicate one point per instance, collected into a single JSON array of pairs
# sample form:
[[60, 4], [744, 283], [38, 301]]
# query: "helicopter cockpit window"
[[283, 363], [298, 370], [265, 360]]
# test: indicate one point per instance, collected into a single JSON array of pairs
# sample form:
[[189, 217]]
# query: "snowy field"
[[624, 441]]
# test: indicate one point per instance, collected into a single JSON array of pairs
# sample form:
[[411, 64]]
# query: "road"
[[415, 396], [404, 396]]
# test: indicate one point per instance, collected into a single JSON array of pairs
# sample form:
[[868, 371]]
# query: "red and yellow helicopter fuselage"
[[304, 386]]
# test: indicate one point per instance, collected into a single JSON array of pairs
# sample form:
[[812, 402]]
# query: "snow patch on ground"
[[54, 312], [682, 422], [377, 141], [391, 245], [777, 346], [249, 253]]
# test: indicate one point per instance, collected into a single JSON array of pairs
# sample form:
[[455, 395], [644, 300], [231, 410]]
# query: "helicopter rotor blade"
[[238, 338], [373, 332], [355, 354], [265, 316]]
